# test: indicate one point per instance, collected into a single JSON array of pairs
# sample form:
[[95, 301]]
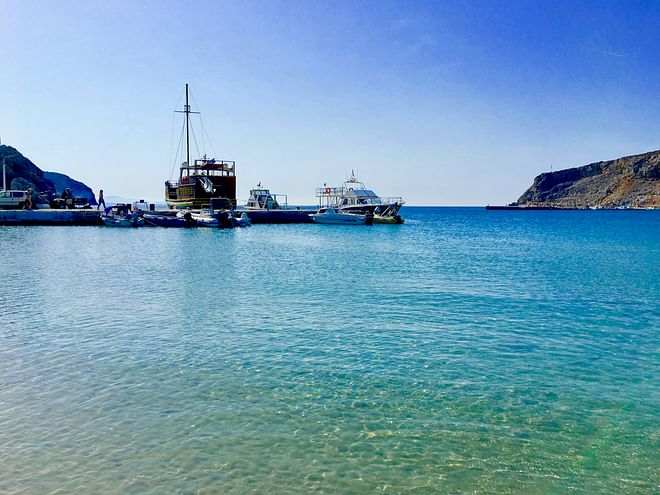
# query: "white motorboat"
[[201, 218], [333, 216], [208, 217], [266, 207], [263, 199], [205, 219], [353, 197]]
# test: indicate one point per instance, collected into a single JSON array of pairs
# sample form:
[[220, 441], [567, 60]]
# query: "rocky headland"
[[78, 189], [22, 173], [631, 181]]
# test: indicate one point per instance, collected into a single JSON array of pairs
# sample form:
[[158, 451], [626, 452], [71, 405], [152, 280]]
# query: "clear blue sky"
[[442, 102]]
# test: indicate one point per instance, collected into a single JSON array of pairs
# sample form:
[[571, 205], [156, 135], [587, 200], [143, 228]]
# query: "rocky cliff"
[[21, 173], [628, 181]]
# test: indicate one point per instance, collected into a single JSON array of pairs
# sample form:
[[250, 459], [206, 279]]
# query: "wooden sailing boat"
[[202, 180]]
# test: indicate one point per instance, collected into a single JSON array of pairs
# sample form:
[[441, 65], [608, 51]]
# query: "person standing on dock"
[[28, 200], [101, 200]]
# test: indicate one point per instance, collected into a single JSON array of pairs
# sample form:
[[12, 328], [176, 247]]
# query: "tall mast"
[[187, 112]]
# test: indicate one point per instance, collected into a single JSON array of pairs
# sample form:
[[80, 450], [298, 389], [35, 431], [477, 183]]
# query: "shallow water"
[[465, 351]]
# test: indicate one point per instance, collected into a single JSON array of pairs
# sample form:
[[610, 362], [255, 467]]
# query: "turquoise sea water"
[[463, 352]]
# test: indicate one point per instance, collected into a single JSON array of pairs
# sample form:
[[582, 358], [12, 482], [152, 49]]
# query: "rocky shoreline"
[[628, 182]]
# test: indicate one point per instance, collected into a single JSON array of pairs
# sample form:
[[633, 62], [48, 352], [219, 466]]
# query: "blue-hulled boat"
[[169, 221]]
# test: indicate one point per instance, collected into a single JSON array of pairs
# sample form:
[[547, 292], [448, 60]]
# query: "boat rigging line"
[[204, 133], [192, 130], [176, 157]]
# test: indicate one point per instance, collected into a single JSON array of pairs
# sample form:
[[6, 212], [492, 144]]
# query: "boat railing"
[[324, 192], [208, 168], [213, 164], [336, 192], [283, 203]]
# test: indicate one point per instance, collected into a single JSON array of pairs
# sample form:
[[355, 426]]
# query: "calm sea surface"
[[465, 351]]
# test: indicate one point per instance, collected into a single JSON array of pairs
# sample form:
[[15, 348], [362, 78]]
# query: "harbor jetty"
[[50, 217], [92, 217]]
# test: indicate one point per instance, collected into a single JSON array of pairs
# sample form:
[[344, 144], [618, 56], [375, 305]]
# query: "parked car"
[[12, 199]]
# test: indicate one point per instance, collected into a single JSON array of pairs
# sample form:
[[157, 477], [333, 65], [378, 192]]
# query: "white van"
[[12, 199]]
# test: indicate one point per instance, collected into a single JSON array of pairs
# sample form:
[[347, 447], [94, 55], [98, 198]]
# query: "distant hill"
[[78, 189], [628, 181], [22, 173]]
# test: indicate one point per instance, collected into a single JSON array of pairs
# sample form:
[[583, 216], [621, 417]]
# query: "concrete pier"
[[50, 217]]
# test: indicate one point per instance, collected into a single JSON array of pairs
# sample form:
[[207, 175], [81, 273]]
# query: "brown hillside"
[[628, 181]]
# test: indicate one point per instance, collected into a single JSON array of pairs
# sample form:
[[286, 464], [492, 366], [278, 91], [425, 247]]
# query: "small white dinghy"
[[334, 217], [203, 218]]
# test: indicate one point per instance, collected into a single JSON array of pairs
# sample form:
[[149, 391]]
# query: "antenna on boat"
[[186, 110]]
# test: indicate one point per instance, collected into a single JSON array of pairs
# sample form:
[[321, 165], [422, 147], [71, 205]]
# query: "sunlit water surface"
[[465, 351]]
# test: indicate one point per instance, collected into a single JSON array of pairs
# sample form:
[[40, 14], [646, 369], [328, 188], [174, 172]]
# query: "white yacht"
[[353, 197], [263, 199]]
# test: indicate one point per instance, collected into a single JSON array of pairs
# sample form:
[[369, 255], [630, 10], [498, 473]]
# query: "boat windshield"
[[360, 197]]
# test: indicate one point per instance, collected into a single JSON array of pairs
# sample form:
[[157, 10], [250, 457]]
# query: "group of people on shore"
[[66, 195]]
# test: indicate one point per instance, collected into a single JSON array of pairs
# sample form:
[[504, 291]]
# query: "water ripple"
[[465, 351]]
